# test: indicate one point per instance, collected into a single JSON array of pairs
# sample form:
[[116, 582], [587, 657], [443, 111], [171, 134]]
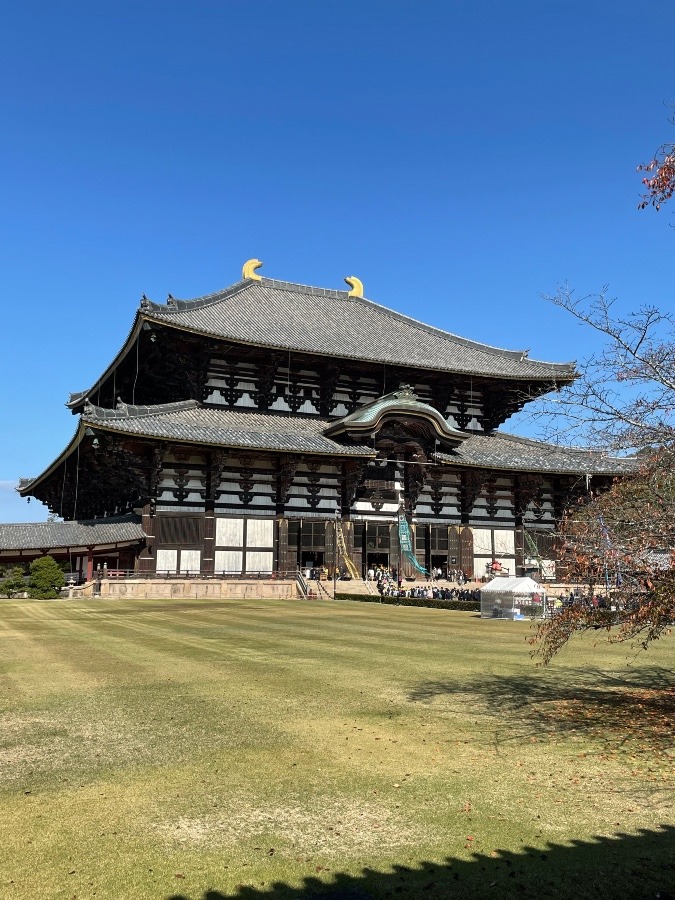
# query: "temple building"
[[273, 425]]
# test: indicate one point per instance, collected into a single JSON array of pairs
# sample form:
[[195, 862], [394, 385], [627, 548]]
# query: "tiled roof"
[[191, 423], [282, 315], [87, 533], [511, 453], [188, 421]]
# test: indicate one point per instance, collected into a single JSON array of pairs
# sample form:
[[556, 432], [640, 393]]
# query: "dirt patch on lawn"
[[330, 827], [47, 743]]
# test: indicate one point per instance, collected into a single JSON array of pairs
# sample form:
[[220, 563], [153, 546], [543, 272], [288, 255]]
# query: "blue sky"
[[461, 158]]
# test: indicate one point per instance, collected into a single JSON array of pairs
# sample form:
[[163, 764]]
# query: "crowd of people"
[[430, 592], [595, 601], [390, 584]]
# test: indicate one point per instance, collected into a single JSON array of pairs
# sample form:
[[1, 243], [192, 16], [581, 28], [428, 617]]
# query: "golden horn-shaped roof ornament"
[[248, 270], [356, 286]]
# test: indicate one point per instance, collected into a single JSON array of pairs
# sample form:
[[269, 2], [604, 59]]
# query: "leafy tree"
[[13, 582], [659, 179], [620, 546], [46, 578], [616, 546], [660, 182], [624, 396]]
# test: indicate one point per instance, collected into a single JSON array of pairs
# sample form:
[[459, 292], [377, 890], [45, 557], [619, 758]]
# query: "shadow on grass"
[[630, 867], [635, 709]]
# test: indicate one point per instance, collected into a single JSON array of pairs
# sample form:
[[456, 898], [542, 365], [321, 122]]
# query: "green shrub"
[[46, 578], [13, 583]]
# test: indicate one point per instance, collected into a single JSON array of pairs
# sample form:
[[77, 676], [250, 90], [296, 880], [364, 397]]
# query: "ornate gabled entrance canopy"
[[403, 407]]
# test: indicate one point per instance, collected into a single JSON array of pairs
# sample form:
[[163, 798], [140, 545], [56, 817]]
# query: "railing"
[[303, 587], [321, 589], [71, 579]]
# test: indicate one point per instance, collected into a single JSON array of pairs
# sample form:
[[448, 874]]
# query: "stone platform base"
[[191, 588]]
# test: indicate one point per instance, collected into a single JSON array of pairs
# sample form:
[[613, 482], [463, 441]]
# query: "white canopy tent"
[[512, 598]]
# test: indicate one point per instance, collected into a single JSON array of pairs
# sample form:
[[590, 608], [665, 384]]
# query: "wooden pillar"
[[215, 463], [283, 556], [209, 543], [90, 564], [329, 554], [146, 558]]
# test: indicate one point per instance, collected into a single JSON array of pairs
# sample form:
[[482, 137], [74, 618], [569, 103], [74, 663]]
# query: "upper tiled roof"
[[283, 315], [508, 452], [188, 421], [86, 533]]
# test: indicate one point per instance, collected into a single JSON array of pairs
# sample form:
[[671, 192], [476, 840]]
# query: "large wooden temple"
[[273, 425]]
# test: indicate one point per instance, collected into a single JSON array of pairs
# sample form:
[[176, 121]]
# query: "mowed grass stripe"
[[314, 630], [263, 644], [199, 736]]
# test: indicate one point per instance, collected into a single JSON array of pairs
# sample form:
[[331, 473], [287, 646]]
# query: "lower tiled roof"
[[512, 453], [190, 422], [84, 533]]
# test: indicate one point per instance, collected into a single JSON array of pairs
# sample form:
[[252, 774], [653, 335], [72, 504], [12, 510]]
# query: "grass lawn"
[[290, 749]]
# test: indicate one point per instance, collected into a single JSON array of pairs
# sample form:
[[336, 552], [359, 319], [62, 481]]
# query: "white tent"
[[512, 598]]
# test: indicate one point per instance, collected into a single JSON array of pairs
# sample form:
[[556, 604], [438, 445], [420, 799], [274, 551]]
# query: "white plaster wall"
[[229, 532], [228, 561], [259, 533]]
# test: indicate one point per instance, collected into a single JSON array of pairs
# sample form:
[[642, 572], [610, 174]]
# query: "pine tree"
[[46, 578]]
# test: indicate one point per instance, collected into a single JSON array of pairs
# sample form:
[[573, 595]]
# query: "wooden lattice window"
[[439, 539], [313, 535], [377, 537], [180, 530]]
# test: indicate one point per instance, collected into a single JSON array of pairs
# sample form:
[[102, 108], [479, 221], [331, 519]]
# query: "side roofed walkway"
[[83, 545]]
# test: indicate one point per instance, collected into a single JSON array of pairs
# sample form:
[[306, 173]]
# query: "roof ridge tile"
[[174, 304], [131, 411]]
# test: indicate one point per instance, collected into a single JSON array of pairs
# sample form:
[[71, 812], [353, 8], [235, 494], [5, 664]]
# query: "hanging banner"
[[405, 542]]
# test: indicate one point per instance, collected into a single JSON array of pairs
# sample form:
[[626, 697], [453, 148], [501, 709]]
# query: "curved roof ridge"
[[296, 287], [175, 304], [130, 411]]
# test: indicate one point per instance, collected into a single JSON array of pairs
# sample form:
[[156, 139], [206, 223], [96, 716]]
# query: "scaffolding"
[[342, 550]]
